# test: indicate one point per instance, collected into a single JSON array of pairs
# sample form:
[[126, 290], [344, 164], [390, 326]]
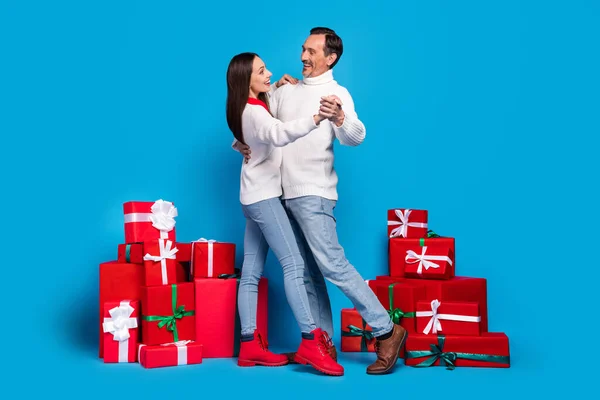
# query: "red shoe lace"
[[324, 344], [264, 344]]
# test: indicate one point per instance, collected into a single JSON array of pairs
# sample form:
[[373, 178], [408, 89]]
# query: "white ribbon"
[[165, 252], [118, 325], [401, 231], [434, 325], [210, 255], [182, 355], [162, 216], [425, 260]]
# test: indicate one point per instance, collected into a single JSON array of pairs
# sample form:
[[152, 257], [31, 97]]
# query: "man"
[[309, 183]]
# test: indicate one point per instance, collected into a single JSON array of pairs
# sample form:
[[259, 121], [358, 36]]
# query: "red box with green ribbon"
[[424, 258], [400, 300], [356, 333], [168, 313], [488, 350]]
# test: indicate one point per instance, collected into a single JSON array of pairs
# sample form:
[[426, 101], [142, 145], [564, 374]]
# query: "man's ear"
[[331, 59]]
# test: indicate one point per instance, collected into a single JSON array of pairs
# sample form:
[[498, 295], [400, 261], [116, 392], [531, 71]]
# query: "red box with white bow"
[[405, 223], [448, 317], [160, 263], [146, 220], [184, 352], [210, 258], [425, 258], [121, 334]]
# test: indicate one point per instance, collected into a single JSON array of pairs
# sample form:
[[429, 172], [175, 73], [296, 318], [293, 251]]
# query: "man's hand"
[[244, 149], [286, 79], [331, 108]]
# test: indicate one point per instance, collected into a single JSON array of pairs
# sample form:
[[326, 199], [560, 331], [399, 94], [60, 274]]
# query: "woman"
[[267, 224]]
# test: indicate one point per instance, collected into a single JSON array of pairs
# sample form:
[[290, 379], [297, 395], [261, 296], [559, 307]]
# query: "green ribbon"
[[354, 331], [432, 234], [128, 253], [170, 321], [396, 314], [449, 358]]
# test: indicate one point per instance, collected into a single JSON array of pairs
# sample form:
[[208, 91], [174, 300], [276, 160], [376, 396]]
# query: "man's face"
[[313, 56]]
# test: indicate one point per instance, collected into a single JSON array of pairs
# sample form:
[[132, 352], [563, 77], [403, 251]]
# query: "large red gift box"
[[210, 258], [488, 350], [448, 317], [356, 333], [217, 320], [146, 220], [118, 281], [400, 299], [160, 264], [120, 327], [407, 223], [168, 313], [184, 352], [425, 258]]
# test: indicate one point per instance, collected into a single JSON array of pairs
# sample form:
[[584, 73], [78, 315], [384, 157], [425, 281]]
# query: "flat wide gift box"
[[210, 258], [118, 281], [357, 335], [448, 317], [424, 258], [217, 318], [488, 350], [407, 223], [135, 252], [147, 220], [184, 352], [168, 313], [121, 334]]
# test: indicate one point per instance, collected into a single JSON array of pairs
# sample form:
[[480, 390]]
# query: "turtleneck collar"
[[325, 77]]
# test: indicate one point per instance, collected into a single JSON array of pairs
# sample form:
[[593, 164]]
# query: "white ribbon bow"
[[163, 215], [435, 325], [210, 255], [182, 355], [425, 260], [165, 252], [401, 231], [118, 325]]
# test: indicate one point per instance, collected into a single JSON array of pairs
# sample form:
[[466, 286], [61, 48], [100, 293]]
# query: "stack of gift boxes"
[[167, 303], [445, 315]]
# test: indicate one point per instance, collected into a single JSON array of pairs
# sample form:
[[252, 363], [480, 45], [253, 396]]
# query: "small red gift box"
[[120, 327], [135, 252], [448, 317], [425, 258], [488, 350], [160, 264], [407, 223], [146, 220], [210, 258], [118, 281], [400, 299], [168, 313], [356, 333], [184, 352]]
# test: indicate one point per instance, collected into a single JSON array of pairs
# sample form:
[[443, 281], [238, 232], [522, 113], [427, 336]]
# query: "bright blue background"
[[484, 113]]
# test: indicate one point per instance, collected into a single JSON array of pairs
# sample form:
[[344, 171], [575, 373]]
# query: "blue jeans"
[[315, 228], [267, 225]]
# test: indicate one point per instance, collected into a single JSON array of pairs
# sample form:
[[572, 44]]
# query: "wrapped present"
[[185, 252], [168, 313], [120, 327], [218, 325], [135, 252], [400, 299], [449, 317], [117, 281], [357, 335], [424, 258], [160, 265], [210, 258], [405, 223], [145, 221], [183, 352], [487, 350]]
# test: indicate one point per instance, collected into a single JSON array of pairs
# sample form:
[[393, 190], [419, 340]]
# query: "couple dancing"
[[288, 194]]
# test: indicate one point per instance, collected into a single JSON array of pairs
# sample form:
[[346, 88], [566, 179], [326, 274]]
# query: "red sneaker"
[[315, 352], [256, 352]]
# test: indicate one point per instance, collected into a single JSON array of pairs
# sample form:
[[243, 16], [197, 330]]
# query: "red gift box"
[[400, 299], [488, 350], [160, 265], [134, 253], [185, 252], [184, 352], [407, 223], [146, 220], [217, 320], [210, 258], [168, 313], [425, 258], [356, 333], [448, 317], [118, 281], [120, 327]]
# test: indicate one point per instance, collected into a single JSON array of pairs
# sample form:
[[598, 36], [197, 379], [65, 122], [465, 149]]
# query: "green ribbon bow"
[[396, 314], [170, 321], [449, 358], [354, 331]]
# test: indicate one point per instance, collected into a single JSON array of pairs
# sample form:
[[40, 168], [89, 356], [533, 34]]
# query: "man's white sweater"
[[307, 164]]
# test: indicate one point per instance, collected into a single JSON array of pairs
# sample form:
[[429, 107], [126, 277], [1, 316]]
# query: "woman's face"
[[260, 80]]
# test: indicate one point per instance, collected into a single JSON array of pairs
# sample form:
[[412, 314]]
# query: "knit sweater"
[[261, 177]]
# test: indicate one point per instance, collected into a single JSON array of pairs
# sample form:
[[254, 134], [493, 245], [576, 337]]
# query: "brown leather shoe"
[[388, 351]]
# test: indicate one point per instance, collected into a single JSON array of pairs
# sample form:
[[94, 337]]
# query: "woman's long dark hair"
[[238, 90]]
